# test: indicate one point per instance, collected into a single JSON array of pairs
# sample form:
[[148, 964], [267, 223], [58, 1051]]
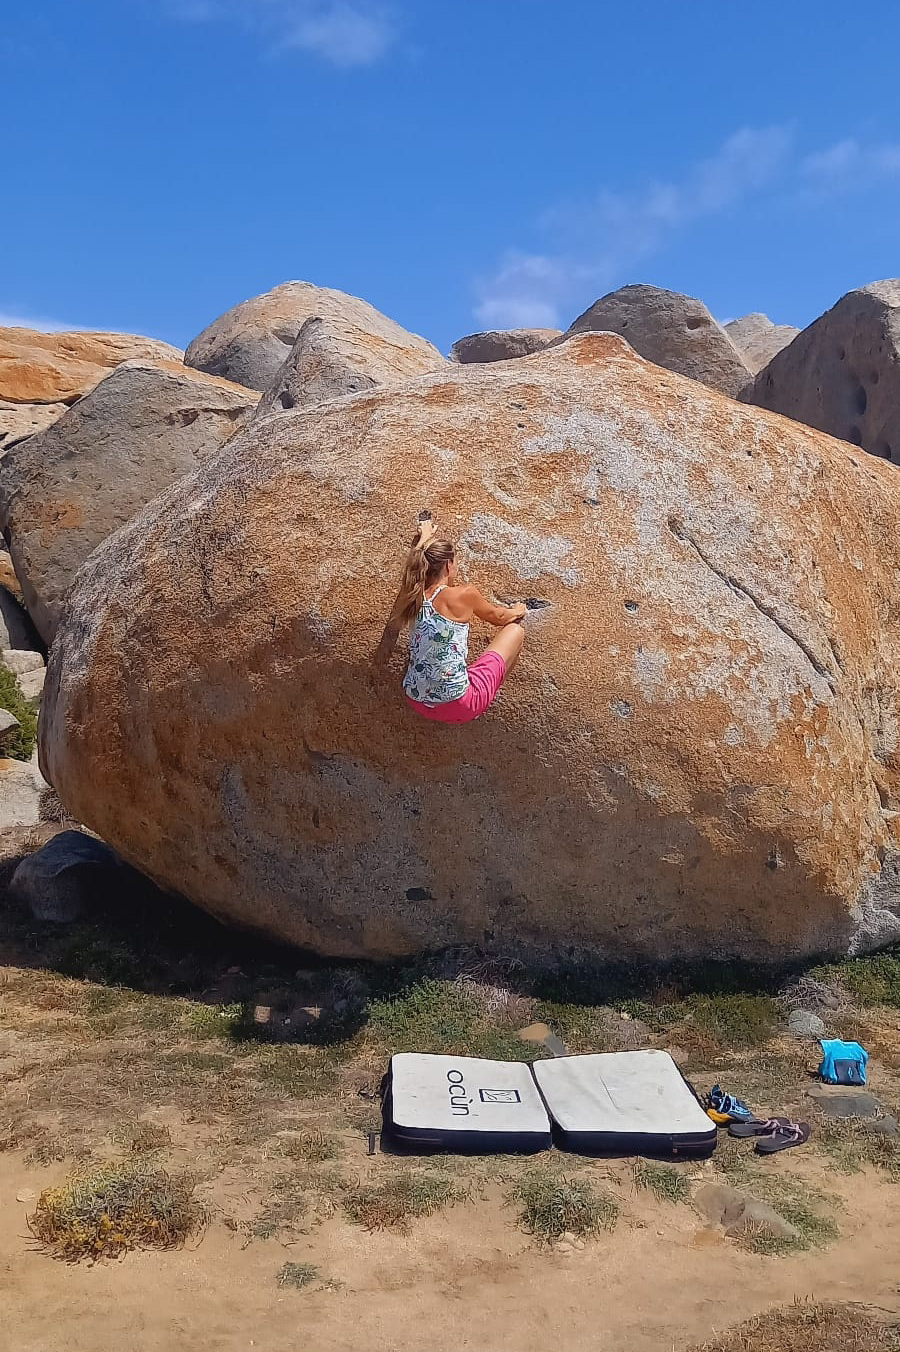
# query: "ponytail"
[[424, 564]]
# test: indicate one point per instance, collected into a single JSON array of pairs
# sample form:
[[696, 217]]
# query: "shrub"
[[14, 702], [104, 1212]]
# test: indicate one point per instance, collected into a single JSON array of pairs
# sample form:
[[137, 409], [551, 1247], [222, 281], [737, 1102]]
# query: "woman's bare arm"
[[487, 611]]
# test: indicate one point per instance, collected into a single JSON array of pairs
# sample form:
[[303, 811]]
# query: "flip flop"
[[758, 1127], [783, 1137]]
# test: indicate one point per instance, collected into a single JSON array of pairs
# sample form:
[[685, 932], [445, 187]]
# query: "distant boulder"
[[41, 373], [250, 343], [63, 491], [18, 421], [331, 358], [759, 340], [842, 374], [501, 344], [672, 330]]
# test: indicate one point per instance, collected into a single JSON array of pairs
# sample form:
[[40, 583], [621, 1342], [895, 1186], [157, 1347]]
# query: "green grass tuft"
[[665, 1182], [738, 1020], [21, 746], [441, 1016], [553, 1205], [873, 980]]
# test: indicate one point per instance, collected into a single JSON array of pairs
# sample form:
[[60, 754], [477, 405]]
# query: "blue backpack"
[[842, 1062]]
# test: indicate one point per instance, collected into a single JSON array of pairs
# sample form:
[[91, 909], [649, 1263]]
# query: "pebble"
[[27, 1195], [563, 1247]]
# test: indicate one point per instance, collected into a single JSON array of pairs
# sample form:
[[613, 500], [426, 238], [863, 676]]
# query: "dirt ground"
[[141, 1034]]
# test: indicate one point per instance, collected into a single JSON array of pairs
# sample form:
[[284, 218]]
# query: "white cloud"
[[604, 237], [16, 318], [849, 164], [596, 243], [346, 33]]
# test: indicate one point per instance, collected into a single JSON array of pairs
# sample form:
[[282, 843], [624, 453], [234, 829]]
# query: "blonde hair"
[[423, 566]]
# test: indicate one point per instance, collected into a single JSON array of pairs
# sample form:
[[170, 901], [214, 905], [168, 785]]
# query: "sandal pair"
[[772, 1133]]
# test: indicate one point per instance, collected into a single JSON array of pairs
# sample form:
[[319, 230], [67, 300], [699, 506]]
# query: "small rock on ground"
[[802, 1023], [834, 1101], [58, 880]]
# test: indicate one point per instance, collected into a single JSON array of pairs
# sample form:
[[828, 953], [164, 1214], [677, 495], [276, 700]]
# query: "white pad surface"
[[465, 1094], [622, 1094]]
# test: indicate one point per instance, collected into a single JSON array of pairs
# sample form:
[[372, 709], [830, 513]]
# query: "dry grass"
[[298, 1275], [393, 1204], [809, 1328], [310, 1146], [104, 1212]]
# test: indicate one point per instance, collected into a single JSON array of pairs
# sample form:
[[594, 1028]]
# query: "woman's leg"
[[508, 643]]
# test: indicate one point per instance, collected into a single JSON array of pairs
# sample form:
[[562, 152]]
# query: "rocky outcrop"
[[332, 358], [672, 330], [696, 756], [251, 343], [501, 344], [758, 340], [42, 373], [842, 374], [63, 491]]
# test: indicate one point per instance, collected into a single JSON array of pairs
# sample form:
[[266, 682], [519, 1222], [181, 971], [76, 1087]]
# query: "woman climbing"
[[439, 609]]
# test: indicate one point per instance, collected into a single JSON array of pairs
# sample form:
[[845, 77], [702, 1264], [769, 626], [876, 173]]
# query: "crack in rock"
[[740, 589]]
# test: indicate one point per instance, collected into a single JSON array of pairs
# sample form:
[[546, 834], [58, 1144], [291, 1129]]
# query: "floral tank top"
[[438, 651]]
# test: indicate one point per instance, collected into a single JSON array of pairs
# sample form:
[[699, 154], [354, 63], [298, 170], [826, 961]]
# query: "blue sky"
[[468, 165]]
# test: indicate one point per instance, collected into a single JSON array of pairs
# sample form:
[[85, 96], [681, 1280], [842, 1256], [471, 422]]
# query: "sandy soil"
[[464, 1278]]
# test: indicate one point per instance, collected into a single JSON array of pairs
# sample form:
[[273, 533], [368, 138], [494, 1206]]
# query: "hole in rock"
[[418, 894], [631, 606], [860, 400], [535, 602], [695, 322], [621, 707], [591, 502], [286, 400]]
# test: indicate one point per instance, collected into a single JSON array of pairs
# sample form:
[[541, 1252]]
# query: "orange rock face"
[[696, 757], [48, 368]]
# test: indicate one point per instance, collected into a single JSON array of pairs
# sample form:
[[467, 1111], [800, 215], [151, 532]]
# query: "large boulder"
[[251, 342], [42, 373], [758, 340], [696, 757], [842, 374], [332, 358], [672, 330], [63, 491], [502, 344]]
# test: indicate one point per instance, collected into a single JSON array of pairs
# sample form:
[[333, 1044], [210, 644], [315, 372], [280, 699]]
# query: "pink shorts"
[[485, 679]]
